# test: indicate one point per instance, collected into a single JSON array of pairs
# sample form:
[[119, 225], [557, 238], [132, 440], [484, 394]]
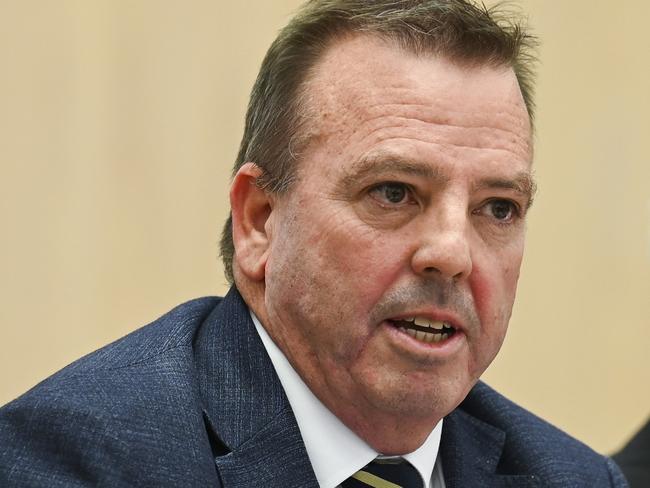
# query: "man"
[[377, 230]]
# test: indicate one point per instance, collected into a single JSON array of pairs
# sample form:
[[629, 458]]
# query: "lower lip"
[[443, 348]]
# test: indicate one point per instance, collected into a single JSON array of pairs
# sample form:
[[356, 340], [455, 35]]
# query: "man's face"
[[409, 203]]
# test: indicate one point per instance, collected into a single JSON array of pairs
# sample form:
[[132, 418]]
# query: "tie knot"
[[385, 473]]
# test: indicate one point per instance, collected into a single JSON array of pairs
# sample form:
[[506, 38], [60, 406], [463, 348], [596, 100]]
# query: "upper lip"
[[449, 318]]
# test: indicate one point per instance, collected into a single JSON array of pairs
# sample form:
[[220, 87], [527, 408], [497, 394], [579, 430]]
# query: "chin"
[[423, 402]]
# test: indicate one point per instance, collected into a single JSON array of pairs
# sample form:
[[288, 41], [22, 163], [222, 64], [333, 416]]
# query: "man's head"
[[398, 207], [277, 121]]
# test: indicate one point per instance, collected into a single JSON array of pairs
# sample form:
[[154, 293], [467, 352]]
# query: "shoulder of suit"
[[131, 404], [532, 441], [147, 358], [519, 424], [172, 330], [149, 345]]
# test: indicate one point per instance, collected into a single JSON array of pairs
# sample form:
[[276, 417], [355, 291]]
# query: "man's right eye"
[[392, 193]]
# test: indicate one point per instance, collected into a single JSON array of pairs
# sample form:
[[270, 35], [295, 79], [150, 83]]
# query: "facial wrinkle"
[[452, 117], [487, 138]]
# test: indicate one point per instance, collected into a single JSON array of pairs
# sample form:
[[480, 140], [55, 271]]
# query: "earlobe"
[[251, 208]]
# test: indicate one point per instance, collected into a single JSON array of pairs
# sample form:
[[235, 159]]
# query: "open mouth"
[[424, 330]]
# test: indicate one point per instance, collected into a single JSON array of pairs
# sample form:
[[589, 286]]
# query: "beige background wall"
[[119, 120]]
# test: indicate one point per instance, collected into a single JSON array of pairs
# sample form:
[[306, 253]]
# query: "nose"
[[443, 248]]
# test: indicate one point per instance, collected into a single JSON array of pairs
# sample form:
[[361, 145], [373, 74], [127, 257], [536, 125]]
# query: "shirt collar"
[[334, 450]]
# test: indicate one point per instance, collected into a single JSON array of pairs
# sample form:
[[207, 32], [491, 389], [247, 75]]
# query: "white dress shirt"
[[335, 451]]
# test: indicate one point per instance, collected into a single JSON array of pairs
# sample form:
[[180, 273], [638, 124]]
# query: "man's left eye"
[[502, 210], [392, 193]]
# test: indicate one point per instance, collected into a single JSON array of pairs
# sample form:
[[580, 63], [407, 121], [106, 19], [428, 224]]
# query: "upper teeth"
[[423, 322]]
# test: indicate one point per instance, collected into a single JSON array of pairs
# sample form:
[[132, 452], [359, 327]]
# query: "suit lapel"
[[471, 450], [253, 432], [275, 457]]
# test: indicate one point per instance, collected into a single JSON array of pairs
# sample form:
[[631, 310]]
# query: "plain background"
[[120, 119]]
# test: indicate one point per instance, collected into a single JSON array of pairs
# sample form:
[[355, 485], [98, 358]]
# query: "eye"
[[392, 193], [504, 211]]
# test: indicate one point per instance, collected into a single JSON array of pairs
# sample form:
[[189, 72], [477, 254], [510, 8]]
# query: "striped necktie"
[[388, 473]]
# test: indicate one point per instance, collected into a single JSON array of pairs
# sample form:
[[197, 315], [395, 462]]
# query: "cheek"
[[494, 289], [481, 291], [362, 257], [329, 259], [494, 292], [373, 265]]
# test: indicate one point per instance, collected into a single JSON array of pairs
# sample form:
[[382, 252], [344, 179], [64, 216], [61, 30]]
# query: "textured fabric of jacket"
[[192, 400], [634, 458]]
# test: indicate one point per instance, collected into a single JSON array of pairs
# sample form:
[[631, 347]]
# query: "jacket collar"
[[253, 432], [471, 452]]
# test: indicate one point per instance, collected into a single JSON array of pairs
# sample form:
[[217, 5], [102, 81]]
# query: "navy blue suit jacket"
[[193, 400]]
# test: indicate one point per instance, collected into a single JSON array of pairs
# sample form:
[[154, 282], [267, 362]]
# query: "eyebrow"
[[378, 163], [522, 183], [389, 163]]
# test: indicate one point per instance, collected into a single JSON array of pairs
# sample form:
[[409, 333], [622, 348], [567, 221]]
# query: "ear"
[[251, 207]]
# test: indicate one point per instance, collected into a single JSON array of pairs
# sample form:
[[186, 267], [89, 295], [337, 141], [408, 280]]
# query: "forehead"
[[366, 89]]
